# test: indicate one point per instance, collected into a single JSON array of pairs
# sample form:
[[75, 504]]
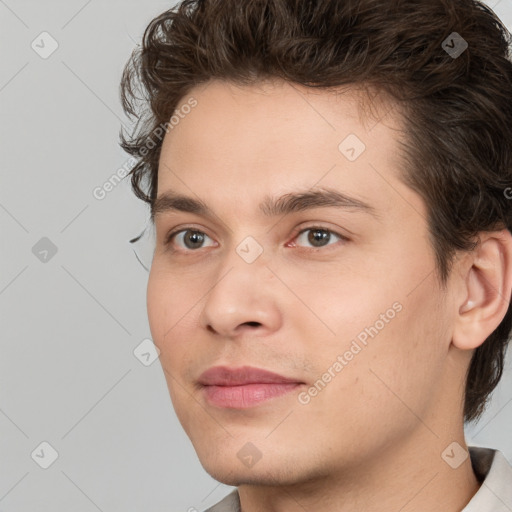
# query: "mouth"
[[241, 388]]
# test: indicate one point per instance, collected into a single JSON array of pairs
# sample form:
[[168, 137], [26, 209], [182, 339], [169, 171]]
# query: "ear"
[[485, 291]]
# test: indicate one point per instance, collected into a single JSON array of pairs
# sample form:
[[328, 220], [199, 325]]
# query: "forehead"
[[242, 142], [283, 105]]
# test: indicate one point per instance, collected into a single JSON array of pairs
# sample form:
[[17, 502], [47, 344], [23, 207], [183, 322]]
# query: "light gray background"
[[68, 373]]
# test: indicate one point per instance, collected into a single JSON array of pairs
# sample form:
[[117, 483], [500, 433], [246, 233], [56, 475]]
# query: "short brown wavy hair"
[[457, 109]]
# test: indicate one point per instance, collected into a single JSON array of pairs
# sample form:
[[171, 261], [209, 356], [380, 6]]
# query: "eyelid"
[[318, 225]]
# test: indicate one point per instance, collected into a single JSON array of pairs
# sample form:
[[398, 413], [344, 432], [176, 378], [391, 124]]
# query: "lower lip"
[[248, 395]]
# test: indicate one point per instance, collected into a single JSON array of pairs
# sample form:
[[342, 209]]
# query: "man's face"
[[343, 300]]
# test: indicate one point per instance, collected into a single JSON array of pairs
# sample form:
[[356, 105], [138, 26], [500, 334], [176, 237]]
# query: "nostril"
[[252, 324]]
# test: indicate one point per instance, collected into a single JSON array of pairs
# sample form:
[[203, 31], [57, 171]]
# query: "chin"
[[263, 473], [246, 476], [226, 478]]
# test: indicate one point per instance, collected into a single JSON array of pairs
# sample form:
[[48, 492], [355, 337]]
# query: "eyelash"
[[171, 235]]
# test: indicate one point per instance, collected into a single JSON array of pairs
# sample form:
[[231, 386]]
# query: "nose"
[[243, 298]]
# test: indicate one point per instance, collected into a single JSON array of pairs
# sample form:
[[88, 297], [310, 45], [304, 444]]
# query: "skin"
[[372, 438]]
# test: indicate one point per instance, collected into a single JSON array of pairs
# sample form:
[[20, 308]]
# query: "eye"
[[318, 236], [190, 238]]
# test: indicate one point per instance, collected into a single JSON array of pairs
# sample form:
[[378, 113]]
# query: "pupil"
[[314, 239], [195, 238]]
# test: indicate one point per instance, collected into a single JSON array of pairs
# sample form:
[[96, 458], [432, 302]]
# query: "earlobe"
[[486, 290]]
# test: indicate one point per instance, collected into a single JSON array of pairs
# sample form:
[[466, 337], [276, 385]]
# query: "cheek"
[[172, 307], [169, 302], [380, 393], [164, 313], [167, 321], [392, 345], [156, 307], [406, 367]]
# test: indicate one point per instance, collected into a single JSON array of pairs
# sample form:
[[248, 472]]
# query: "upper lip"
[[226, 376]]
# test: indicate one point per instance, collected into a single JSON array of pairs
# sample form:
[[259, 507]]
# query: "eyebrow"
[[270, 206]]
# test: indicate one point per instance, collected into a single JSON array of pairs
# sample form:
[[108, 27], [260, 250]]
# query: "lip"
[[244, 387], [226, 376]]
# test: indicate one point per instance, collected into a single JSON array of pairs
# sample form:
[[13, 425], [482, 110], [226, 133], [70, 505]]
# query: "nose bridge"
[[241, 292], [242, 267], [246, 253]]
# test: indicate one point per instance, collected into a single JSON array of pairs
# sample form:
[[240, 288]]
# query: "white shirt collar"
[[495, 473]]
